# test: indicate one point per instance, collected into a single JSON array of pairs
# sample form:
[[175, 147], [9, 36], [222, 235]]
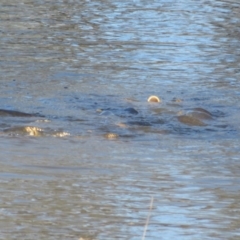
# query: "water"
[[79, 66]]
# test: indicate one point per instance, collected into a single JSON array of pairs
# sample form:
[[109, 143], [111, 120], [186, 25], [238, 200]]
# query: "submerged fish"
[[12, 113]]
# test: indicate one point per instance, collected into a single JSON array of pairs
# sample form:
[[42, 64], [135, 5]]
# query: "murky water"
[[87, 161]]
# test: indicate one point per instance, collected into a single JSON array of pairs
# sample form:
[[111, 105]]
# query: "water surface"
[[77, 67]]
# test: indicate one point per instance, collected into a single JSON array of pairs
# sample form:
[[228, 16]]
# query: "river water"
[[87, 165]]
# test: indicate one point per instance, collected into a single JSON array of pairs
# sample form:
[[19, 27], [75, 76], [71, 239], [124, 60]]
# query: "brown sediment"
[[154, 99]]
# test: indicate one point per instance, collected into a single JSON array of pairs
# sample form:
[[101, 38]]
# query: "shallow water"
[[80, 67]]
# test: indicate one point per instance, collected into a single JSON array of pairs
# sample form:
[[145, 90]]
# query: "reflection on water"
[[86, 160]]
